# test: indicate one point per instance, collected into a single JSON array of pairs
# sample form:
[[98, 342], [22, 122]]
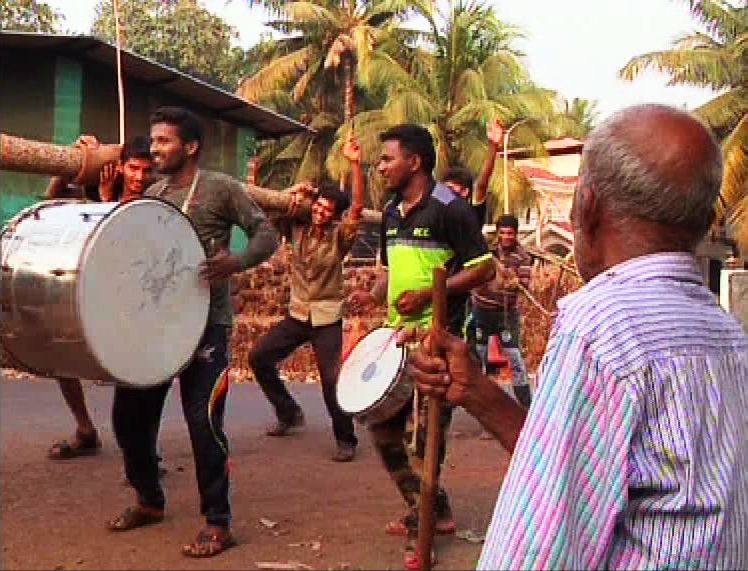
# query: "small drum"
[[371, 385], [102, 291]]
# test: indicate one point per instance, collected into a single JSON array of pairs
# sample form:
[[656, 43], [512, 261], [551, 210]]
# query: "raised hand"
[[495, 132], [107, 177], [352, 150]]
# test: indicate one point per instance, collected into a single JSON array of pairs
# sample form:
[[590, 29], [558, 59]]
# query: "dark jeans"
[[505, 324], [136, 416], [282, 340]]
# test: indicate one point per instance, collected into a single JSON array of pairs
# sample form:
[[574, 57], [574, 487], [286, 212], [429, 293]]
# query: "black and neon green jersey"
[[441, 230]]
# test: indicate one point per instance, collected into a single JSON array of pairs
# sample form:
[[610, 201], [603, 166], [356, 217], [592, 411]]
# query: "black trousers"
[[136, 416], [282, 340]]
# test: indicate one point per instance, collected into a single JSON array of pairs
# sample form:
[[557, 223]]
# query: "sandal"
[[132, 518], [444, 526], [209, 543], [81, 445]]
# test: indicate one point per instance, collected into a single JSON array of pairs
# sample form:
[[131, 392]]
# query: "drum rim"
[[84, 251], [400, 369]]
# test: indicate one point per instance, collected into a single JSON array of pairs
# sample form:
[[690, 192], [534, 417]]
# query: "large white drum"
[[102, 291], [371, 384]]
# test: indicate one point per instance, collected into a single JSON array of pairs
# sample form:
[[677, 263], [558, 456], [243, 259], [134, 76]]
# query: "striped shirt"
[[634, 454], [513, 266]]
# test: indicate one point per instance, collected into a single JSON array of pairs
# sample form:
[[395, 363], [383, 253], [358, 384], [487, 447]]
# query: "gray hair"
[[632, 185]]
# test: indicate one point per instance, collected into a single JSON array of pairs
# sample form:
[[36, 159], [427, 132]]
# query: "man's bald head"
[[655, 164]]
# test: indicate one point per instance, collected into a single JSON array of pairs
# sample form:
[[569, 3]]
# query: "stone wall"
[[260, 297]]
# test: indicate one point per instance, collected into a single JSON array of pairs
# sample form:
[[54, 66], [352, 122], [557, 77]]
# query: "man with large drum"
[[214, 202], [424, 226]]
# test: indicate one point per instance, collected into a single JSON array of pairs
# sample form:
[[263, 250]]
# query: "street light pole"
[[506, 163]]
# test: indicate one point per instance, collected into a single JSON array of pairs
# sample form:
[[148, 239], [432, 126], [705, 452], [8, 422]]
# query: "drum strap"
[[191, 193]]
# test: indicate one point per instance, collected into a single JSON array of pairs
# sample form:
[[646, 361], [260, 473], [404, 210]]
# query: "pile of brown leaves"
[[548, 284]]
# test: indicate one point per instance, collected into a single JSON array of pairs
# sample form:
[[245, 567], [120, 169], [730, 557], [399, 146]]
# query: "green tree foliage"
[[317, 70], [452, 77], [178, 33], [715, 58], [459, 73], [28, 16]]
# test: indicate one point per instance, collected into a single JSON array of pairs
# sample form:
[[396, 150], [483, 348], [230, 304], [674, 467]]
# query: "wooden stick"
[[429, 479]]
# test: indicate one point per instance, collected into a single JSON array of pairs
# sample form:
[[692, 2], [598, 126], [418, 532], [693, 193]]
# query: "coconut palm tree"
[[575, 118], [716, 58], [460, 72], [328, 44]]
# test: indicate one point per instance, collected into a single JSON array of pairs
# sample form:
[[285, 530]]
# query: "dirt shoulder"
[[328, 516]]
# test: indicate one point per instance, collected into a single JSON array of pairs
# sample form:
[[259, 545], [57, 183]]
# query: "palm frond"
[[469, 88], [295, 149], [275, 75], [300, 88], [720, 19], [410, 106], [725, 110], [735, 167], [703, 67], [380, 71], [480, 111], [311, 14]]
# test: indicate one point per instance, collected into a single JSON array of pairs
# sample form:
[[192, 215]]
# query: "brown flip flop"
[[133, 517], [209, 543]]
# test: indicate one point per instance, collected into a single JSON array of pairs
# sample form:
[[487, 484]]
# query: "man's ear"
[[192, 148], [415, 162], [120, 167], [587, 210]]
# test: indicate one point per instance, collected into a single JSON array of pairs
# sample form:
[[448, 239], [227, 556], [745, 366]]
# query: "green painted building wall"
[[49, 98]]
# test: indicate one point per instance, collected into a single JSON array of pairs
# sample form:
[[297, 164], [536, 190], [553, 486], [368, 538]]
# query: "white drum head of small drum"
[[369, 371], [143, 308]]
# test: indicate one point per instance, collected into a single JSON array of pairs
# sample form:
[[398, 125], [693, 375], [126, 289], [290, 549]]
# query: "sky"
[[574, 47]]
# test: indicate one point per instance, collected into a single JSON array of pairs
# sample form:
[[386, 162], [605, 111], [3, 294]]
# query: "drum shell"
[[398, 395], [372, 384], [41, 325], [39, 322]]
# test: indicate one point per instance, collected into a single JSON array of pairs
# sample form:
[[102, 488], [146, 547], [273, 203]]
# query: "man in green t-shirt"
[[424, 226]]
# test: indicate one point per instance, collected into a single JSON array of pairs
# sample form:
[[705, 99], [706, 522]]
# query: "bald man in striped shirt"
[[634, 453]]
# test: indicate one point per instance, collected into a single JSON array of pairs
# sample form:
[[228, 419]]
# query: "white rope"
[[120, 84]]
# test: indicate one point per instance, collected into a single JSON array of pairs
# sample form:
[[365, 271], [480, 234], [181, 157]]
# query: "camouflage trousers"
[[403, 458]]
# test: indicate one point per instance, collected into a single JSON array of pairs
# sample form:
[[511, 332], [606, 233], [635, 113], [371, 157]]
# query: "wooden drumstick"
[[429, 479]]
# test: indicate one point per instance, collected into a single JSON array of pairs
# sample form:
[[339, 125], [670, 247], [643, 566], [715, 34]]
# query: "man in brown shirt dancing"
[[315, 310]]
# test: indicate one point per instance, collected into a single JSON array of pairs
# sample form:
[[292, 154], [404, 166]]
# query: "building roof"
[[554, 147], [224, 105]]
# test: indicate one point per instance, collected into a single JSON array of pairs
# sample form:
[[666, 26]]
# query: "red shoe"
[[444, 526], [412, 562]]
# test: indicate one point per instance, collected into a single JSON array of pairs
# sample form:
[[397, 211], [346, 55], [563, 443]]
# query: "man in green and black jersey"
[[424, 226]]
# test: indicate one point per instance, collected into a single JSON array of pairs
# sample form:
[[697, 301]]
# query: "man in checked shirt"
[[634, 453], [496, 308]]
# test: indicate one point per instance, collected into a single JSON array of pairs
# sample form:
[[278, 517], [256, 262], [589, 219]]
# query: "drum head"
[[369, 371], [142, 307]]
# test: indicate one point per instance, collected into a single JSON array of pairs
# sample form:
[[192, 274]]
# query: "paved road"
[[53, 512]]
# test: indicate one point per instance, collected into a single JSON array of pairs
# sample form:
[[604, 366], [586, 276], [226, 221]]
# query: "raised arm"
[[352, 152], [494, 134]]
